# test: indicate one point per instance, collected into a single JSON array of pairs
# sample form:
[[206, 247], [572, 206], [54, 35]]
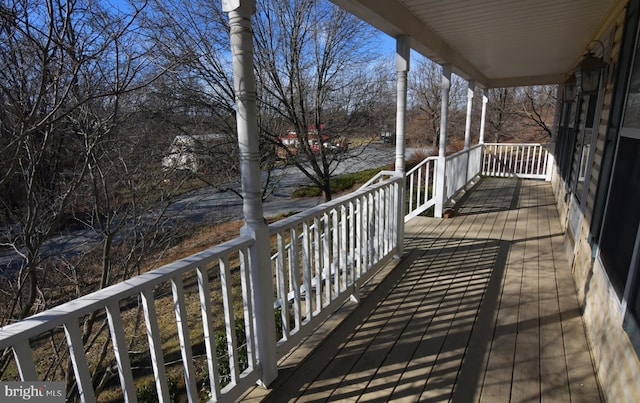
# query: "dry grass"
[[48, 349], [203, 238]]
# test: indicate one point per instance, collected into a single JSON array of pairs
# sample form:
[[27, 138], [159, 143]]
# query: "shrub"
[[307, 191], [148, 393], [339, 183]]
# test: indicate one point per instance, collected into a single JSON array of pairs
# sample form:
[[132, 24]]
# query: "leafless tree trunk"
[[502, 113], [312, 61], [66, 70], [522, 113], [426, 82], [538, 106], [58, 61], [194, 35]]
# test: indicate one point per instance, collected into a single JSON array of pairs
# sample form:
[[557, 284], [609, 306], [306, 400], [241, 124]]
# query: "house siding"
[[616, 362], [558, 185], [615, 359]]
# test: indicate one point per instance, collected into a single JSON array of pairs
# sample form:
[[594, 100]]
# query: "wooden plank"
[[583, 384], [497, 376], [469, 383], [425, 298], [526, 368], [361, 356], [430, 338], [554, 384], [474, 279], [441, 307], [379, 334]]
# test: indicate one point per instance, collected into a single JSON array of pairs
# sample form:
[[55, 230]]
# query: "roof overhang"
[[497, 43]]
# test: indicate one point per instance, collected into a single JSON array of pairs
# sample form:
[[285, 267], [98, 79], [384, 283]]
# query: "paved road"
[[205, 206]]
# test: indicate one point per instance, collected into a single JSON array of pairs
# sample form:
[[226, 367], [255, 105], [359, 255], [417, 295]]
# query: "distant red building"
[[292, 141]]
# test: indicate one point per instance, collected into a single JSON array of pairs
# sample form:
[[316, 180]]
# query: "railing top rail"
[[377, 176], [54, 317], [516, 144], [463, 151], [424, 161], [328, 206]]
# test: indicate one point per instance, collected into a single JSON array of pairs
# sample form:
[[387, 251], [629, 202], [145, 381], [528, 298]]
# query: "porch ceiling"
[[497, 43]]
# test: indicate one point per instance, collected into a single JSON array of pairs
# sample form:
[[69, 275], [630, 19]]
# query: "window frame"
[[628, 299]]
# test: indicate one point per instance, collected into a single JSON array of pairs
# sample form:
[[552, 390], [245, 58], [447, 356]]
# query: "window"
[[625, 59], [623, 213], [632, 318], [583, 146], [619, 244], [566, 139]]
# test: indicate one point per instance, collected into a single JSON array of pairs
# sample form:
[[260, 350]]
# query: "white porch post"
[[467, 128], [485, 99], [551, 152], [444, 112], [403, 55], [240, 12]]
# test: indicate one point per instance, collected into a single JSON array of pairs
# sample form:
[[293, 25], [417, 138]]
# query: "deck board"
[[482, 307]]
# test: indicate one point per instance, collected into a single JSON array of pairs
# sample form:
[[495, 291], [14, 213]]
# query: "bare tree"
[[502, 113], [128, 215], [75, 155], [313, 81], [62, 69], [427, 97], [195, 36], [521, 113], [538, 106]]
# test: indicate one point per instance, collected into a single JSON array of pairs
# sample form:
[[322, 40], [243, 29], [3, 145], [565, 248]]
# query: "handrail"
[[421, 187], [57, 316], [323, 255], [142, 287], [337, 246], [324, 207], [461, 167], [380, 176], [520, 160]]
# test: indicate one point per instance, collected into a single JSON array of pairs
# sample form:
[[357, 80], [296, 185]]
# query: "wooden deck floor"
[[481, 308]]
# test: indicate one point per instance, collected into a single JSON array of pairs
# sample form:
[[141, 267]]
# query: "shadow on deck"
[[482, 307]]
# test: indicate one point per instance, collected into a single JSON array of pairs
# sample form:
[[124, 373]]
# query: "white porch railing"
[[321, 258], [325, 254], [421, 188], [530, 161], [195, 278], [461, 167], [378, 178]]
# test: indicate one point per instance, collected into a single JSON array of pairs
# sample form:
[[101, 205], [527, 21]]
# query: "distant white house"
[[193, 152]]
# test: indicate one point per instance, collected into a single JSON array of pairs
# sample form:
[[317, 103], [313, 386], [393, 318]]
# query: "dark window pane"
[[623, 213]]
